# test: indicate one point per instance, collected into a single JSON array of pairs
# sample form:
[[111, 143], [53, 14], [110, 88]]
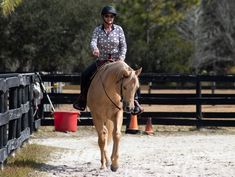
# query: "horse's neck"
[[111, 76], [112, 71]]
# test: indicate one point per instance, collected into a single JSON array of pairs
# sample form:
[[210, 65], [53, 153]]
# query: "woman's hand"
[[96, 52]]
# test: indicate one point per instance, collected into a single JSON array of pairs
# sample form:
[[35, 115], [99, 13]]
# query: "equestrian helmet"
[[109, 10]]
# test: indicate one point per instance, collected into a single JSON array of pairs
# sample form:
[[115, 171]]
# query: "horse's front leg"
[[116, 139], [103, 144]]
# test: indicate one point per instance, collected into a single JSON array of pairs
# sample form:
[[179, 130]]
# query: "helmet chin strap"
[[106, 21]]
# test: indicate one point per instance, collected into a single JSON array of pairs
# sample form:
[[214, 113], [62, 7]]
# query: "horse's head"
[[129, 85]]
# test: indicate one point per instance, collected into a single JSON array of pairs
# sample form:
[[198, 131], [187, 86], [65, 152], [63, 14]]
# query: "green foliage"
[[153, 41], [9, 6], [54, 35], [49, 35]]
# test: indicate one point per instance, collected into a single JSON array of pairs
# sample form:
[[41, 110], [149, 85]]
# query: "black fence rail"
[[17, 111], [196, 83]]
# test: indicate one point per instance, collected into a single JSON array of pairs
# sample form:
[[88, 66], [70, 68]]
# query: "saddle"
[[100, 63]]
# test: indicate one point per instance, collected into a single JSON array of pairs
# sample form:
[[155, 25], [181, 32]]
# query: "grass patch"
[[27, 160], [49, 131]]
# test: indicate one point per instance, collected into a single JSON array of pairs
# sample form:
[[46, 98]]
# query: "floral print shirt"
[[111, 45]]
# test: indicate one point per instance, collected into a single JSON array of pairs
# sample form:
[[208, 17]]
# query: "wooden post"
[[5, 136], [31, 108], [19, 102], [1, 111], [24, 101], [149, 87], [3, 128], [213, 87], [27, 101], [12, 105], [23, 126], [198, 104]]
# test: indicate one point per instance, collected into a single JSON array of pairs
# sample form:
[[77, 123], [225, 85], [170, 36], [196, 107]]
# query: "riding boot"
[[80, 103], [137, 109], [86, 78]]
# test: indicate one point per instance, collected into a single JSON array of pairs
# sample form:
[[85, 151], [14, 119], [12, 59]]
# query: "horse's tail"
[[109, 126]]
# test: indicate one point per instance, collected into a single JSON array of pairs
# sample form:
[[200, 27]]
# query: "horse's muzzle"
[[127, 107]]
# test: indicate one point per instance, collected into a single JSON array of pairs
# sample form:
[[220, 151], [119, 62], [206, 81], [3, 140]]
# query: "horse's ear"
[[138, 71], [126, 72]]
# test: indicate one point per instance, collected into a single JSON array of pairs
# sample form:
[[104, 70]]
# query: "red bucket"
[[66, 121]]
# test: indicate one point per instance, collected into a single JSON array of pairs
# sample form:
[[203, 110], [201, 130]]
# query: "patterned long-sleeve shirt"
[[109, 44]]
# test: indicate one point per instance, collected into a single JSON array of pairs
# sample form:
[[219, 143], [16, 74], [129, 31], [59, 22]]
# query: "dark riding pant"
[[137, 94], [86, 79]]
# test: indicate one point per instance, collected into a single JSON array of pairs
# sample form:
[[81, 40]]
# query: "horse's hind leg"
[[103, 143]]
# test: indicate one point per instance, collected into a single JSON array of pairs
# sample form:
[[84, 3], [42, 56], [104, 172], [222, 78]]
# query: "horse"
[[110, 94]]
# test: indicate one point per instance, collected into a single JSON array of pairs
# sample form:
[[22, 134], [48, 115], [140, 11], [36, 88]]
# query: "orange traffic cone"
[[133, 127], [149, 127]]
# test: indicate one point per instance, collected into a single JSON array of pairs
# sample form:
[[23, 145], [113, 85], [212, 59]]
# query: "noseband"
[[121, 92]]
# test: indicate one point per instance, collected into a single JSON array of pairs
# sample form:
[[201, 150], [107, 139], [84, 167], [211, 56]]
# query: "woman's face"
[[108, 18]]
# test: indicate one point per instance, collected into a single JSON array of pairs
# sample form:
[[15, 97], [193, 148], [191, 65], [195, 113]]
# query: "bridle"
[[121, 92]]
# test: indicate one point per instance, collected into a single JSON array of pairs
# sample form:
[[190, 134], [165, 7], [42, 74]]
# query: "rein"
[[109, 96]]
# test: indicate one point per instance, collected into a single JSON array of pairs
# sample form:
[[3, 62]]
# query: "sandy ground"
[[170, 152], [209, 152]]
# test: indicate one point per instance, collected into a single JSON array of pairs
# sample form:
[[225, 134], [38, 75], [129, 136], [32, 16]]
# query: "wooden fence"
[[196, 83], [17, 111]]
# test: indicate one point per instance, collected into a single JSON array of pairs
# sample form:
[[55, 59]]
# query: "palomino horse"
[[111, 92]]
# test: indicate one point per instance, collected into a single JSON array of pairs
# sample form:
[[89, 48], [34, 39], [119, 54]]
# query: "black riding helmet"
[[109, 10]]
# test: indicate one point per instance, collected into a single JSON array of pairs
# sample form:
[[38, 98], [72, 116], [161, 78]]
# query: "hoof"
[[103, 167], [114, 169], [108, 164]]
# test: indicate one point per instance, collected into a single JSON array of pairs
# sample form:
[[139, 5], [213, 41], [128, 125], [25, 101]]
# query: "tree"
[[54, 35], [9, 6], [49, 35], [153, 40], [211, 29]]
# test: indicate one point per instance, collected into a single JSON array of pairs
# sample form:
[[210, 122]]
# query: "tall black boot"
[[80, 103], [86, 78]]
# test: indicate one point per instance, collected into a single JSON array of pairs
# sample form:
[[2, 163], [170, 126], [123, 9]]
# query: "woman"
[[108, 43]]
